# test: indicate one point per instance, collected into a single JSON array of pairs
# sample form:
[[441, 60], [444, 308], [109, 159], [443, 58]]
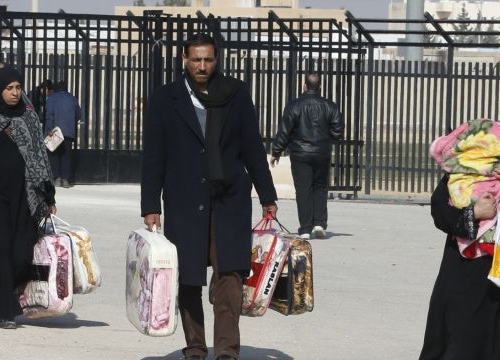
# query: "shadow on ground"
[[68, 321], [328, 235], [246, 353]]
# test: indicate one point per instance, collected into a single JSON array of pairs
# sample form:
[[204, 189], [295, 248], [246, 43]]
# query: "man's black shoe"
[[225, 357]]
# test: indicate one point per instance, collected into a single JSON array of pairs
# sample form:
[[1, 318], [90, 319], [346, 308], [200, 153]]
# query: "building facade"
[[239, 8]]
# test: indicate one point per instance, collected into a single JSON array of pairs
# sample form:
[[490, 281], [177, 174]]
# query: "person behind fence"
[[38, 97], [309, 125], [203, 150], [63, 111], [27, 192]]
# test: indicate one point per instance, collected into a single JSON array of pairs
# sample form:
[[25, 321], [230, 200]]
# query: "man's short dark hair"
[[199, 39], [61, 85], [313, 81], [47, 83]]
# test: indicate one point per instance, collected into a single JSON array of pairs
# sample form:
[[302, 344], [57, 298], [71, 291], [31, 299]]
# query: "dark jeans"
[[60, 160], [311, 173]]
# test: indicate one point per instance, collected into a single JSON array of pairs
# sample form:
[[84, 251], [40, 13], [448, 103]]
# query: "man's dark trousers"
[[60, 160], [311, 173], [227, 303]]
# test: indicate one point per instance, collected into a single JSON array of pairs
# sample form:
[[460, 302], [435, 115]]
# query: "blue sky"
[[359, 8]]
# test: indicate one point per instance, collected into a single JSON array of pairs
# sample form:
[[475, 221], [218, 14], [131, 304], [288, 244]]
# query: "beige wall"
[[234, 12], [234, 3], [281, 3], [226, 11], [249, 3]]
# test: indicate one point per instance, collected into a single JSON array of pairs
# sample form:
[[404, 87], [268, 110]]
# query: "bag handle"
[[59, 220], [282, 226], [265, 223], [54, 219], [43, 226]]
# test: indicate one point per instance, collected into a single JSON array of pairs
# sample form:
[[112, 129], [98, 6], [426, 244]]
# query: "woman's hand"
[[52, 210], [485, 207]]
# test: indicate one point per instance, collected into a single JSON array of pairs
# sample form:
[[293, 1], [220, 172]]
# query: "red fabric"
[[470, 252]]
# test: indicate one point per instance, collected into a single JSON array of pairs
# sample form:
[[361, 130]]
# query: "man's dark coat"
[[175, 167]]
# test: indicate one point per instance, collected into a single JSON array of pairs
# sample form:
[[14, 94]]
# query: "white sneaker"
[[305, 236], [318, 232]]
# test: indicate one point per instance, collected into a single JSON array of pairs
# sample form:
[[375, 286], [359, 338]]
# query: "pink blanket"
[[470, 154]]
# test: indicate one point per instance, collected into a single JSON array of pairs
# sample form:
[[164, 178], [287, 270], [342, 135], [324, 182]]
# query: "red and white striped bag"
[[269, 253]]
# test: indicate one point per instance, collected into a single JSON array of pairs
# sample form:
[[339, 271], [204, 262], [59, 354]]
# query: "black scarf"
[[7, 75], [221, 90]]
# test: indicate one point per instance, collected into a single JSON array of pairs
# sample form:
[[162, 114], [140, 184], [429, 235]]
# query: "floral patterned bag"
[[470, 155]]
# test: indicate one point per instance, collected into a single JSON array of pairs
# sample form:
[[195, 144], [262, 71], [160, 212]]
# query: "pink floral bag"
[[50, 293]]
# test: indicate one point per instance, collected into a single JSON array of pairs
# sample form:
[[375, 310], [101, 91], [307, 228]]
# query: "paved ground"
[[373, 276]]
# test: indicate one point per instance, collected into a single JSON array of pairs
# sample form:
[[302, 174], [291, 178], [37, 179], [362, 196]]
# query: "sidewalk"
[[373, 276]]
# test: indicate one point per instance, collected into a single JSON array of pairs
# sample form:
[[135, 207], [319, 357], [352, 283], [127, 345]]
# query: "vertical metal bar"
[[378, 156], [269, 82], [371, 126], [496, 75], [483, 113], [428, 104], [391, 89], [107, 110], [405, 122], [449, 89]]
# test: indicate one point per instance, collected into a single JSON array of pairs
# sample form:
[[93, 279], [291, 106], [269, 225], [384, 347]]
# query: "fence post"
[[155, 34]]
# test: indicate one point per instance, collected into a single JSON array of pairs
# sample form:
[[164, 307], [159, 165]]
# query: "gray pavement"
[[373, 276]]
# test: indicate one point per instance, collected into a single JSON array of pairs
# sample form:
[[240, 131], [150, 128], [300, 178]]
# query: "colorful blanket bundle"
[[470, 154]]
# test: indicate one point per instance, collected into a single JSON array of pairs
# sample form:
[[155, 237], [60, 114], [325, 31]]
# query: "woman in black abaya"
[[26, 191], [463, 322]]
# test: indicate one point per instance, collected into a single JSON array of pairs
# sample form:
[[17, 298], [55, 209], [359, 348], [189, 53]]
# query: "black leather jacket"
[[310, 123]]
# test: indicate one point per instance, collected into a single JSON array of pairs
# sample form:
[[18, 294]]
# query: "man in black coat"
[[309, 125], [202, 153]]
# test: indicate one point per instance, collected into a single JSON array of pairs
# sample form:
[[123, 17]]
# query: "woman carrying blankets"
[[26, 191], [464, 312]]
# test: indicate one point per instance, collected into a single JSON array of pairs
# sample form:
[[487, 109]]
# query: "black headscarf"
[[8, 75], [221, 89]]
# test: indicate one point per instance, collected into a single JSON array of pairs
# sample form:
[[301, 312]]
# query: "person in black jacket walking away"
[[309, 125]]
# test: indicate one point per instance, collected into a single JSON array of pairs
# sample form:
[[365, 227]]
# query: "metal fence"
[[112, 63], [393, 109], [407, 104]]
